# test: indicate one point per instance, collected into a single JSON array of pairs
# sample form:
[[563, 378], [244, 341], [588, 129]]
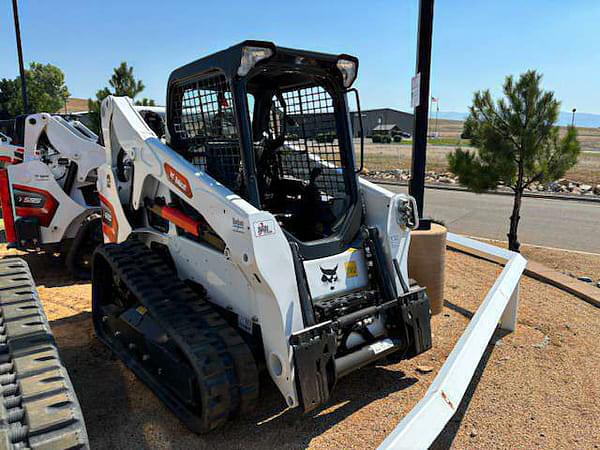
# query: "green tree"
[[46, 90], [122, 83], [469, 130], [145, 102], [9, 93], [517, 142]]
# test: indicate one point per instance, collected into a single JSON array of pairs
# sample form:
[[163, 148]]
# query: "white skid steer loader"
[[248, 241], [48, 186]]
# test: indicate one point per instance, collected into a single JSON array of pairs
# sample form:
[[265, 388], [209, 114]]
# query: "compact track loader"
[[48, 188], [48, 185], [247, 241]]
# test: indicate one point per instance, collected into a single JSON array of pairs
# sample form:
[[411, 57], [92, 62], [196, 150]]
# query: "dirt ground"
[[535, 388], [569, 262]]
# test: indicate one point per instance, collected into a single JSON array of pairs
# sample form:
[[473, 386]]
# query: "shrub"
[[326, 137]]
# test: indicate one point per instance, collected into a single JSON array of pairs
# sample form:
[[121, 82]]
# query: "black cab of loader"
[[272, 124]]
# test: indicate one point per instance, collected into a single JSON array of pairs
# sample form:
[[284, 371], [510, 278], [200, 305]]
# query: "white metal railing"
[[427, 419]]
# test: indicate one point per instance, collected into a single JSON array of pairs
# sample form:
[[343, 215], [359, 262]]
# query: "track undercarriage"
[[172, 339]]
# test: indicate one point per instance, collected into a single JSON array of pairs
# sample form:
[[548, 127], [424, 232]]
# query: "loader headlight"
[[250, 56], [406, 213], [348, 69]]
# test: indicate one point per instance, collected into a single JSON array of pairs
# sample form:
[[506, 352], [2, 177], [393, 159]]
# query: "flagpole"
[[429, 111], [437, 110]]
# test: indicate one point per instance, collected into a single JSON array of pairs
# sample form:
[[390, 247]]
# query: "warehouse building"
[[372, 118]]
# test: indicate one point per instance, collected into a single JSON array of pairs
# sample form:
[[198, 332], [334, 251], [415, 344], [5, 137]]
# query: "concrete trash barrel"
[[426, 262]]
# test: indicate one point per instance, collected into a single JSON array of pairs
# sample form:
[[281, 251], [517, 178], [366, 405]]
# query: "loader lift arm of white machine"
[[267, 280], [49, 184]]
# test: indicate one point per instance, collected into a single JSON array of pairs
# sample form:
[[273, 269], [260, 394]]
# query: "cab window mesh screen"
[[206, 130], [312, 149]]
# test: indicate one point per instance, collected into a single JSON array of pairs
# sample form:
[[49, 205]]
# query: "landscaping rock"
[[562, 185], [424, 369]]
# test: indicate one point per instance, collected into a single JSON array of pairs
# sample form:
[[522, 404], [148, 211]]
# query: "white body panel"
[[69, 214], [66, 139], [381, 206], [69, 141], [350, 274]]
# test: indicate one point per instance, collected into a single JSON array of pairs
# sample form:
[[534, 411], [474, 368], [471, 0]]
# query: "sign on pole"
[[415, 92]]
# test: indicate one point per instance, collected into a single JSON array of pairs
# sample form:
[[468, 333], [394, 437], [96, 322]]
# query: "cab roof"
[[228, 60]]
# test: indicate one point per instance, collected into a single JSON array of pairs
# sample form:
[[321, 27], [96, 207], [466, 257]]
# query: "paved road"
[[554, 223]]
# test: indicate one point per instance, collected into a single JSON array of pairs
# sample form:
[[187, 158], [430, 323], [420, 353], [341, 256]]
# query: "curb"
[[568, 197], [544, 274]]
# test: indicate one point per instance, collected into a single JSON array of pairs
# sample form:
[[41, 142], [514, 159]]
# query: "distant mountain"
[[450, 115], [581, 119], [564, 118]]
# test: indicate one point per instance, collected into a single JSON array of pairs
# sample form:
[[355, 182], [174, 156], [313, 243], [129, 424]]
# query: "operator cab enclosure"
[[272, 124]]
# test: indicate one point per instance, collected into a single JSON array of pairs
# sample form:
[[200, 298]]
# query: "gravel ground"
[[536, 388], [570, 262], [577, 264]]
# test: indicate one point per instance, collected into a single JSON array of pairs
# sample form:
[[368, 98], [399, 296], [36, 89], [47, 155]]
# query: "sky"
[[475, 43]]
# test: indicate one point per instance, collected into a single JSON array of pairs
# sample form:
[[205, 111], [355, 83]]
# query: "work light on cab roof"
[[250, 56]]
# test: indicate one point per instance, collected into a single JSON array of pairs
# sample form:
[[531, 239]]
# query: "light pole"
[[20, 54], [573, 117]]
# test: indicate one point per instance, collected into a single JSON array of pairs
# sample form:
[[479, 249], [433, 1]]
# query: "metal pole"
[[20, 53], [430, 109], [419, 150], [437, 110], [573, 118]]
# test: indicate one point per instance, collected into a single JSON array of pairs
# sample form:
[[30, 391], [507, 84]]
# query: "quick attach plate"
[[314, 350], [416, 315]]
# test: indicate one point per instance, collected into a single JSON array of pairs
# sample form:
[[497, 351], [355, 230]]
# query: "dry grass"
[[398, 156], [588, 137]]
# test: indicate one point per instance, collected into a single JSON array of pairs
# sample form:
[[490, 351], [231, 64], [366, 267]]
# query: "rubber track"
[[224, 365], [38, 405]]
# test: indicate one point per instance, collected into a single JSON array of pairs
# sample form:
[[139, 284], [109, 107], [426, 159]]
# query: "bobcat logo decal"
[[329, 275]]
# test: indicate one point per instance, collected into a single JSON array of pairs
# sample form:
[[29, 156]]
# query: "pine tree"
[[517, 142], [123, 83]]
